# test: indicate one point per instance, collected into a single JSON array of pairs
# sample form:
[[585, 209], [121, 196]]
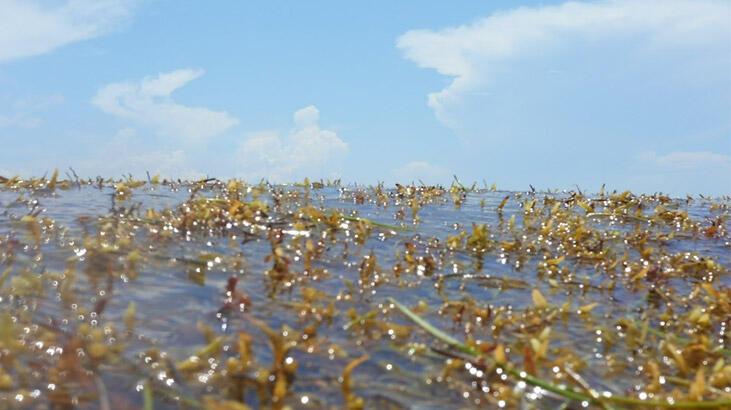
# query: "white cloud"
[[125, 154], [29, 28], [688, 161], [306, 151], [421, 170], [681, 172], [479, 54], [148, 103], [566, 94]]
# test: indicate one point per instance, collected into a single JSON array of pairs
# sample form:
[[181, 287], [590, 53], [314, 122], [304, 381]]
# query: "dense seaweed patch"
[[227, 295]]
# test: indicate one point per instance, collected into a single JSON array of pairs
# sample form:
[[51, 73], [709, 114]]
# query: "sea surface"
[[110, 300]]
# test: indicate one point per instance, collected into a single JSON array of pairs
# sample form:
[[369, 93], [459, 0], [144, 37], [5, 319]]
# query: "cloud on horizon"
[[29, 28], [689, 161], [126, 153], [416, 171], [688, 172], [148, 103], [306, 151]]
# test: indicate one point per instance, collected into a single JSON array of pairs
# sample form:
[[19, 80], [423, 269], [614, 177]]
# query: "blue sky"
[[634, 94]]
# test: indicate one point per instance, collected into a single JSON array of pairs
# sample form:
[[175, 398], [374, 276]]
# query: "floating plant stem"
[[544, 384], [148, 399], [103, 395], [449, 340], [374, 223], [587, 388]]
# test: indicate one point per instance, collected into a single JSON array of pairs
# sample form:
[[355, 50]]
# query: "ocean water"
[[109, 298]]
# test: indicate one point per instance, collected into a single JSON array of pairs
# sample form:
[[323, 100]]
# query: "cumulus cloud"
[[148, 103], [125, 153], [421, 171], [566, 94], [29, 27], [306, 151], [478, 55]]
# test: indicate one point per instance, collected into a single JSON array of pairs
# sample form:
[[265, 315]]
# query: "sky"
[[632, 94]]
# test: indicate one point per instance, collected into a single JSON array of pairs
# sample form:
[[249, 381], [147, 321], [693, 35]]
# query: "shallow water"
[[70, 285]]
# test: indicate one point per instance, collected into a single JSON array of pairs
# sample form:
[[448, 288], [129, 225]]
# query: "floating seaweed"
[[127, 293]]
